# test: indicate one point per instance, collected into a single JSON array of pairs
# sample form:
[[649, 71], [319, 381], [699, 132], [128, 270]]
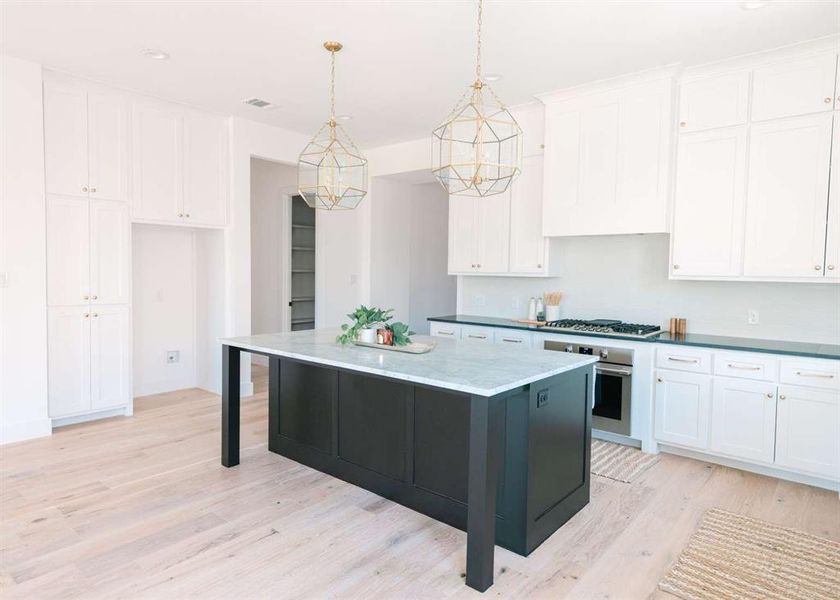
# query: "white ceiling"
[[405, 63]]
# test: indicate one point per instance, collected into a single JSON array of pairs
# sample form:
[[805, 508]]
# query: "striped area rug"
[[619, 462], [734, 557]]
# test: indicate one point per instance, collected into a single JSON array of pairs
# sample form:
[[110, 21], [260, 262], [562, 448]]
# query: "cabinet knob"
[[539, 266], [769, 394], [682, 123], [830, 267], [84, 188], [659, 380], [181, 215], [93, 189], [86, 315], [95, 314], [827, 100], [94, 297], [187, 215], [479, 266], [85, 297], [818, 267], [676, 267], [782, 396]]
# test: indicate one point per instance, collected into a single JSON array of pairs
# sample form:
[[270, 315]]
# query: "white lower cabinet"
[[89, 362], [512, 337], [743, 419], [445, 330], [682, 404], [477, 334], [808, 431]]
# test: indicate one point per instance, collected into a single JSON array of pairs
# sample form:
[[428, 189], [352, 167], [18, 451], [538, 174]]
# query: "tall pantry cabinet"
[[88, 248]]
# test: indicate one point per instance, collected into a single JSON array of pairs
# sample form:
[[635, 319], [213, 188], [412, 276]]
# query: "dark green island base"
[[509, 469]]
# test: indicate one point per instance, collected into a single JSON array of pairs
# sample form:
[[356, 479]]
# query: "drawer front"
[[683, 359], [746, 366], [512, 337], [477, 334], [811, 373], [445, 330]]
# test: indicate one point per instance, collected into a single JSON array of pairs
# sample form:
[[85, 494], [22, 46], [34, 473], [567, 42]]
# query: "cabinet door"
[[832, 244], [682, 408], [65, 140], [744, 419], [68, 251], [69, 360], [110, 265], [794, 87], [527, 244], [808, 431], [493, 239], [108, 146], [205, 184], [531, 120], [157, 164], [462, 234], [720, 101], [707, 232], [109, 356], [787, 197]]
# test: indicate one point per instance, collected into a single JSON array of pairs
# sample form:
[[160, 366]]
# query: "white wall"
[[23, 295], [625, 277], [209, 307], [164, 267], [390, 245]]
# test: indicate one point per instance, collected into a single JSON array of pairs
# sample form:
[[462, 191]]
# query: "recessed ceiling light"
[[344, 117], [155, 53], [754, 4], [492, 76]]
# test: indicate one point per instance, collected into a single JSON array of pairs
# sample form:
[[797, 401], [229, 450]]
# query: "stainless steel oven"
[[613, 379]]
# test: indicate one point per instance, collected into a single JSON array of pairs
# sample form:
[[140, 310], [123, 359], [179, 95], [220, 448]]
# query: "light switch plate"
[[752, 316], [173, 356], [4, 279]]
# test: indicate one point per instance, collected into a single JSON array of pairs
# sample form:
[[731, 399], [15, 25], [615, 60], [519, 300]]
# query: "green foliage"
[[400, 332], [363, 318]]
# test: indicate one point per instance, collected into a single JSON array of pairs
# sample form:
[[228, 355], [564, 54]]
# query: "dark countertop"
[[811, 350]]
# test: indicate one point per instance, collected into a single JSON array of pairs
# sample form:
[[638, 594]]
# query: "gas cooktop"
[[604, 326]]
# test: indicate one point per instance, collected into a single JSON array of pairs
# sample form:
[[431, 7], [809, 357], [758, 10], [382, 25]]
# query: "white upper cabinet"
[[65, 139], [709, 203], [462, 234], [68, 251], [205, 188], [794, 87], [527, 245], [712, 102], [531, 119], [157, 133], [787, 197], [110, 251], [832, 245], [109, 357], [607, 159], [108, 146], [493, 233]]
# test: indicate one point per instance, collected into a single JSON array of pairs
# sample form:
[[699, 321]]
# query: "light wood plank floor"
[[141, 508]]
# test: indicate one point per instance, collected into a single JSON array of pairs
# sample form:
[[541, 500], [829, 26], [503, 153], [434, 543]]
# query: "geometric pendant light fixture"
[[477, 150], [332, 173]]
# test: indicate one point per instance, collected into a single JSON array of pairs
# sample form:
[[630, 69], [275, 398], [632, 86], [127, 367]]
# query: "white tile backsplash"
[[626, 277]]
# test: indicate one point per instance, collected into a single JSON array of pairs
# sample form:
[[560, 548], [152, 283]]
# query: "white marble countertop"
[[461, 365]]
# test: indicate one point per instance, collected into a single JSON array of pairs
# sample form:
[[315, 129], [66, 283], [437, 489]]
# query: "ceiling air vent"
[[256, 102]]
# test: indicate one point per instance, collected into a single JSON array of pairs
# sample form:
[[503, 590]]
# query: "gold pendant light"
[[477, 150], [332, 173]]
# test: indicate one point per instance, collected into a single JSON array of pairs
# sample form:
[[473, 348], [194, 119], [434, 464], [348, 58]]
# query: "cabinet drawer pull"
[[742, 367], [820, 375], [512, 340], [477, 337], [683, 360], [446, 333]]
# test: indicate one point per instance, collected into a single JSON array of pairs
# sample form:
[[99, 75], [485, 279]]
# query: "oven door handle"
[[612, 371]]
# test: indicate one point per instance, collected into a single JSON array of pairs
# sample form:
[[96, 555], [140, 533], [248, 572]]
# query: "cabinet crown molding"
[[666, 73]]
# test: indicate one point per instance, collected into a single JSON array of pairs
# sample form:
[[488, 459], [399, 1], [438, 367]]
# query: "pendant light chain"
[[332, 86], [478, 52]]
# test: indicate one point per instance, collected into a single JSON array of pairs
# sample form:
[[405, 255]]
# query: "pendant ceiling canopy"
[[332, 173], [477, 150]]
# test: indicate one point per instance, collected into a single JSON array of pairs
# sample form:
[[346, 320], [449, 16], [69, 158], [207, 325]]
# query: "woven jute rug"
[[731, 556], [619, 462]]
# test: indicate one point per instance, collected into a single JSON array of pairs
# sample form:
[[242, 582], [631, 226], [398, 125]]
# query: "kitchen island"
[[491, 440]]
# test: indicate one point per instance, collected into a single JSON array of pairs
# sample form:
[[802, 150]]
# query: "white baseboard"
[[616, 438], [25, 430], [121, 411], [760, 469]]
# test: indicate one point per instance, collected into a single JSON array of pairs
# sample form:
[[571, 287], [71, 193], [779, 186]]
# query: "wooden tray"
[[412, 348], [529, 322]]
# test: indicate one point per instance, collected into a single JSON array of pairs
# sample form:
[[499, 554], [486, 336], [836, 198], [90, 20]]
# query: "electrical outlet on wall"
[[752, 316], [173, 356]]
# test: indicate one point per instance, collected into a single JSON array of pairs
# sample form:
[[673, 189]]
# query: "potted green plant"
[[364, 324]]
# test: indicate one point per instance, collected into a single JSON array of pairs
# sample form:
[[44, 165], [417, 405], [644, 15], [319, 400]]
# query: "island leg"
[[481, 491], [230, 406]]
